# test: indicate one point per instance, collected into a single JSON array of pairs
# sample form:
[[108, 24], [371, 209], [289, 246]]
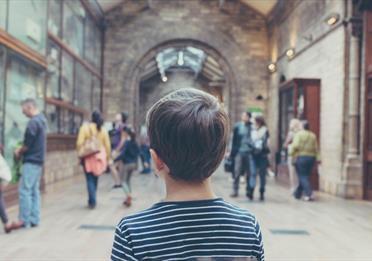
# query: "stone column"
[[354, 85], [351, 185]]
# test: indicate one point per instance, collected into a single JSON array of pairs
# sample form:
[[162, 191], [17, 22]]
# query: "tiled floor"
[[328, 229]]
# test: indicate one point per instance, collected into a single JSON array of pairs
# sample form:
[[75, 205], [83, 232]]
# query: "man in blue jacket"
[[241, 153], [33, 155]]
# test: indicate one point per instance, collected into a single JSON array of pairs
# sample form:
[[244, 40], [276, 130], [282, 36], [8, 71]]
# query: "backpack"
[[260, 146]]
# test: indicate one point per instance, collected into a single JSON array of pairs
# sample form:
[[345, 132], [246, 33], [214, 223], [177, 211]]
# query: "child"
[[129, 157], [188, 131]]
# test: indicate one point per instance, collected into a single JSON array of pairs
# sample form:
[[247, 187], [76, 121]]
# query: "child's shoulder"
[[139, 217], [165, 210], [239, 210]]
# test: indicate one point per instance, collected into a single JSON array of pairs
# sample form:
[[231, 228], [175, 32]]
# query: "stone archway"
[[236, 39], [136, 75]]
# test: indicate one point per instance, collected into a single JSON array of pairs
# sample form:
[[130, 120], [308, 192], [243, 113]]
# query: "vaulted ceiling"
[[262, 6]]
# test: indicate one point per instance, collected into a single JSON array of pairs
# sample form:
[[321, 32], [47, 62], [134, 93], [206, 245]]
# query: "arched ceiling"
[[175, 58], [262, 6]]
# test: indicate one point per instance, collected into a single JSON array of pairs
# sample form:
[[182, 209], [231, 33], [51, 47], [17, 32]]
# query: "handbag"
[[229, 165], [5, 173], [91, 145], [96, 163]]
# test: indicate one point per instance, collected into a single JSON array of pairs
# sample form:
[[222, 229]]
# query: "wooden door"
[[312, 115]]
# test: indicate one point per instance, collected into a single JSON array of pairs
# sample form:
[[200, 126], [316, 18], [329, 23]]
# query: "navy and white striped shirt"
[[189, 230]]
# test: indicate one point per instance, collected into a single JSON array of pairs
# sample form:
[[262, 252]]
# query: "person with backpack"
[[93, 146], [260, 136], [129, 157]]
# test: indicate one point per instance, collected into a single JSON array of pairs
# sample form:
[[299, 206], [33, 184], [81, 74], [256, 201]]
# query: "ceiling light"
[[332, 19], [290, 53], [272, 67], [180, 59], [164, 78]]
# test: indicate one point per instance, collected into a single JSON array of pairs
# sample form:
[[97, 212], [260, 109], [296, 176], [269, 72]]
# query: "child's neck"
[[184, 191]]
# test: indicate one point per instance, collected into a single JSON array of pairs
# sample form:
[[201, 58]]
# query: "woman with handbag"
[[94, 150], [260, 138]]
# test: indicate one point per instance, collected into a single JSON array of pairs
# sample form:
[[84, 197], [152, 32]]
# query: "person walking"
[[3, 216], [115, 139], [145, 151], [94, 165], [241, 152], [5, 175], [32, 153], [295, 125], [260, 136], [304, 149], [129, 157]]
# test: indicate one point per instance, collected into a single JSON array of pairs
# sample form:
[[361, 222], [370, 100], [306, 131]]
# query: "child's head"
[[188, 131]]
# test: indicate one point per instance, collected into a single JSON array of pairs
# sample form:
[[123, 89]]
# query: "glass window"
[[54, 53], [96, 97], [98, 48], [301, 103], [71, 123], [73, 25], [23, 81], [83, 83], [78, 121], [27, 22], [3, 9], [62, 121], [2, 73], [92, 43], [55, 17], [67, 77], [286, 114], [52, 117]]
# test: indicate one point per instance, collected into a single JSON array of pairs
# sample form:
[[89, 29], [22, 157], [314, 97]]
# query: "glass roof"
[[187, 57]]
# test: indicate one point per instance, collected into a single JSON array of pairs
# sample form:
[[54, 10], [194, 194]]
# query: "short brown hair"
[[29, 101], [260, 121], [188, 129]]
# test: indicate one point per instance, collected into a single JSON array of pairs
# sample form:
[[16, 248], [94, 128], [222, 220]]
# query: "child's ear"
[[159, 164]]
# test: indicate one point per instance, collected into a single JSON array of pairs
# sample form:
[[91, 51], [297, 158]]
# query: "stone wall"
[[237, 33], [60, 165]]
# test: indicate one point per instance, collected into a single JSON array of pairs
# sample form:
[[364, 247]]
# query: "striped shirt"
[[189, 230]]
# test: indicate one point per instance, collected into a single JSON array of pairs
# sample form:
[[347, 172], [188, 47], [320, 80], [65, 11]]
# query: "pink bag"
[[96, 163]]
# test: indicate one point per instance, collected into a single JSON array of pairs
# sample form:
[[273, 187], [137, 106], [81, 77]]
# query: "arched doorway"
[[177, 64]]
